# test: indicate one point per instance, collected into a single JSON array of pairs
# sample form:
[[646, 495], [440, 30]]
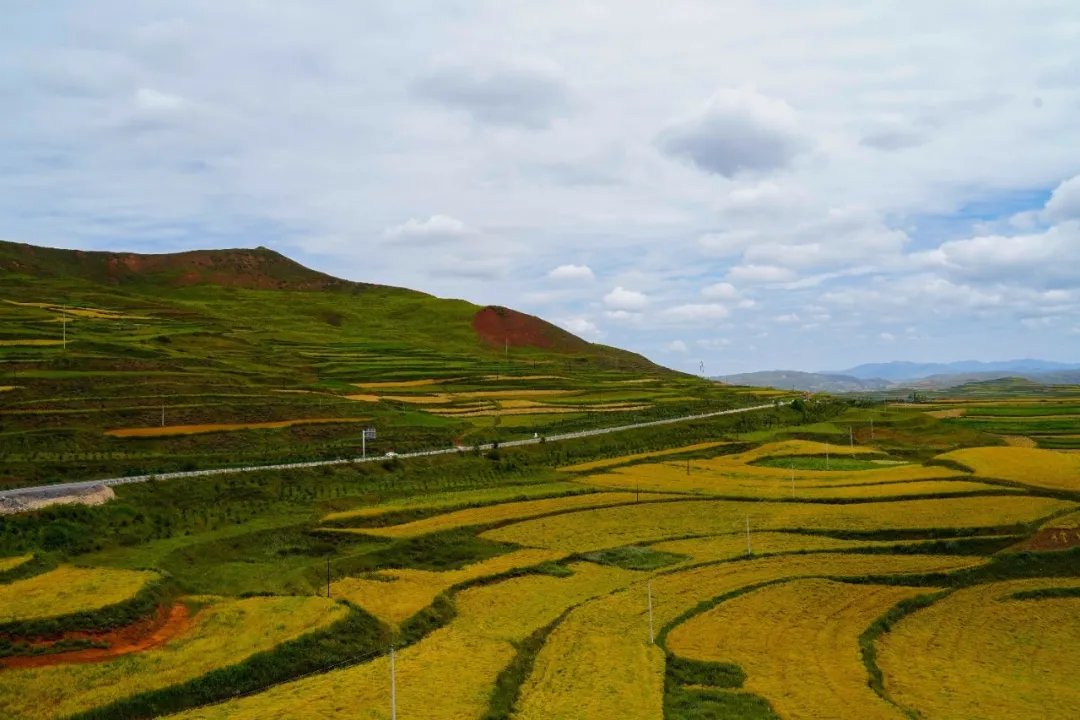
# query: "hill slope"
[[119, 362]]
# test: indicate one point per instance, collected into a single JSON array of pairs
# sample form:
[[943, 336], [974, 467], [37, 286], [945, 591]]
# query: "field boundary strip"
[[63, 488]]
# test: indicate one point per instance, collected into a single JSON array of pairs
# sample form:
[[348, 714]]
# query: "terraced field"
[[669, 581]]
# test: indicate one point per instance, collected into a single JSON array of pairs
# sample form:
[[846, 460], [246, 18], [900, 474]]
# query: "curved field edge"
[[38, 564], [152, 595], [359, 637]]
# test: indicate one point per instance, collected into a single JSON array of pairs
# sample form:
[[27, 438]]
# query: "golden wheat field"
[[608, 462], [221, 427], [1030, 466], [396, 595], [10, 563], [223, 633], [30, 343], [733, 545], [596, 529], [983, 654], [69, 589], [447, 675], [507, 511], [798, 644], [598, 663]]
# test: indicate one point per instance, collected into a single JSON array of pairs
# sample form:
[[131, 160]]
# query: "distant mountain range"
[[900, 370], [908, 375]]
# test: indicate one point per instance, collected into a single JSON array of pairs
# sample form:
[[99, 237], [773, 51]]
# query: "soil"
[[1050, 539], [499, 325], [146, 634]]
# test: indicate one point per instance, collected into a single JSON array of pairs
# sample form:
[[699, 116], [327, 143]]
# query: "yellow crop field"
[[798, 644], [598, 662], [607, 462], [506, 511], [1039, 468], [30, 343], [446, 676], [981, 654], [785, 448], [5, 388], [733, 545], [222, 427], [596, 529], [69, 589], [396, 595], [225, 633], [546, 410], [886, 482], [10, 563], [405, 383], [461, 497]]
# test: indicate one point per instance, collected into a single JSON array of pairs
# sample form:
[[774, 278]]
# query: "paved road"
[[68, 488]]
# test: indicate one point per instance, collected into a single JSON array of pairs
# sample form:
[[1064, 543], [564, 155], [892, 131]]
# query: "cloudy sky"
[[751, 184]]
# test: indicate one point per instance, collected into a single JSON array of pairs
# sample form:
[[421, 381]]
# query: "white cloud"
[[747, 304], [623, 299], [760, 274], [737, 130], [695, 312], [151, 100], [789, 318], [437, 228], [572, 273], [676, 346], [720, 291], [725, 244], [1064, 202], [582, 327], [886, 337]]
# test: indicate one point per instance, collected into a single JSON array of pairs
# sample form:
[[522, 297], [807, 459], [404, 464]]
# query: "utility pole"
[[748, 550], [162, 413], [652, 638], [63, 319], [792, 477], [826, 454], [327, 577], [851, 435], [393, 687]]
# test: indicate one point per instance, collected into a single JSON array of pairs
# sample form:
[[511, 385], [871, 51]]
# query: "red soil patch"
[[498, 325], [143, 635], [1050, 539]]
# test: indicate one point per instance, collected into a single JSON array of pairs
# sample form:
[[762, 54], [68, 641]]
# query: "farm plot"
[[608, 462], [222, 634], [396, 595], [597, 529], [69, 589], [222, 427], [983, 654], [10, 563], [1038, 468], [798, 644], [506, 511], [733, 545], [446, 676], [599, 663]]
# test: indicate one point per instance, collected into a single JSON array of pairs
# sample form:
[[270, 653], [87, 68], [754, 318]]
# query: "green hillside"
[[231, 337]]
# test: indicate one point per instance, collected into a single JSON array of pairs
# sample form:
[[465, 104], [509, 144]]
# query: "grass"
[[635, 558], [983, 654], [797, 643]]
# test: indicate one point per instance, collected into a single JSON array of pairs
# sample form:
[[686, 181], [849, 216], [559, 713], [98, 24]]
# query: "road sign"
[[369, 433]]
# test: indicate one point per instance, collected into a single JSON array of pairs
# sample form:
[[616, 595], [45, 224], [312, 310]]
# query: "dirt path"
[[137, 637]]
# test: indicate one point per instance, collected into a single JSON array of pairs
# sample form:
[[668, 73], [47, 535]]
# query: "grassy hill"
[[195, 344]]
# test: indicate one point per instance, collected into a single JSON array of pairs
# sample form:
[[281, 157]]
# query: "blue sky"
[[752, 185]]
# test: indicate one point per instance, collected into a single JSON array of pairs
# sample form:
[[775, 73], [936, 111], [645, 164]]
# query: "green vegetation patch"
[[633, 557], [813, 462]]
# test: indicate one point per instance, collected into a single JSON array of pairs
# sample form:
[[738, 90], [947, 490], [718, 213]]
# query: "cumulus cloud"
[[572, 273], [788, 318], [677, 346], [760, 274], [737, 130], [727, 243], [437, 228], [720, 291], [695, 312], [582, 327], [629, 300], [886, 337], [151, 100], [1064, 202], [527, 93], [1046, 258]]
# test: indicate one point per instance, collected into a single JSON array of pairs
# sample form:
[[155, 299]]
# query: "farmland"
[[787, 562]]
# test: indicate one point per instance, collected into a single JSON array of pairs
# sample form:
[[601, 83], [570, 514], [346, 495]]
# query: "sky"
[[746, 185]]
